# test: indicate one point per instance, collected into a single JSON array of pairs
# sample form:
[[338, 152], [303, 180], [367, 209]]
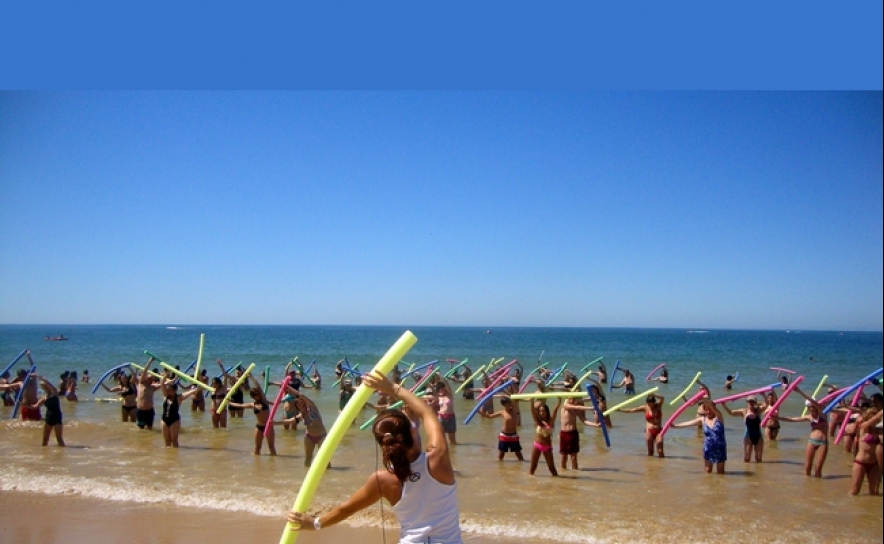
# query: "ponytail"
[[393, 433]]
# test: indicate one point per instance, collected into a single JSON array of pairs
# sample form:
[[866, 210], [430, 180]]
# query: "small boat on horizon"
[[59, 338]]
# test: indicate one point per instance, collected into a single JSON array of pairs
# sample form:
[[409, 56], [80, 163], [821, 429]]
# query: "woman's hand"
[[378, 382], [300, 521]]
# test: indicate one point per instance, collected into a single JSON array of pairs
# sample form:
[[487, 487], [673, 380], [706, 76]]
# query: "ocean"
[[618, 495]]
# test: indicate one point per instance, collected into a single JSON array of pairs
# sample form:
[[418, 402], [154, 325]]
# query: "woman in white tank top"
[[418, 484]]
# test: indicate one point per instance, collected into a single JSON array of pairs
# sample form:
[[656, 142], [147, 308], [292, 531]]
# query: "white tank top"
[[427, 511]]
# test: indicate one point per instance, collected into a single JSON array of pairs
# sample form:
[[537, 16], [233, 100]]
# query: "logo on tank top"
[[415, 476]]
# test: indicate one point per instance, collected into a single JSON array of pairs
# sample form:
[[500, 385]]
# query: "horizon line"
[[485, 327]]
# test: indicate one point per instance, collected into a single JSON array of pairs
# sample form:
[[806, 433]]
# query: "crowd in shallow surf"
[[545, 397]]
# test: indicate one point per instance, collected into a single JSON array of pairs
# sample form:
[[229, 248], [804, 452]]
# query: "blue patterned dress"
[[714, 445]]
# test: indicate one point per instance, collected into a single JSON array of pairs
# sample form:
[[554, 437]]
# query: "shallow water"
[[618, 495]]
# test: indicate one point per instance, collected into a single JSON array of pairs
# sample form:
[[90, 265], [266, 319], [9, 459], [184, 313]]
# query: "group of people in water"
[[136, 391]]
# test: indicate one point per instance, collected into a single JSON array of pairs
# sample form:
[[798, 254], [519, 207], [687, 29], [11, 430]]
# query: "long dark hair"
[[392, 430]]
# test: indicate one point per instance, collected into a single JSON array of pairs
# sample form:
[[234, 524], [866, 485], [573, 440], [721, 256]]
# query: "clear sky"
[[695, 210]]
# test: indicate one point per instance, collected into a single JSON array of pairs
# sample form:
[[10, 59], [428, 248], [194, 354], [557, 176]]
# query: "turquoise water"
[[618, 495]]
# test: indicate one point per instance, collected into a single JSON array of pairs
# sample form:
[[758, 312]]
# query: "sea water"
[[618, 494]]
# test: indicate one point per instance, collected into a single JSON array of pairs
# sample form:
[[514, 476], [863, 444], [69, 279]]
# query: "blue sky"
[[696, 210]]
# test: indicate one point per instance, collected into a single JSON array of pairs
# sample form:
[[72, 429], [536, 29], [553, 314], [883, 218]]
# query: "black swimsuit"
[[53, 410], [170, 412], [753, 428]]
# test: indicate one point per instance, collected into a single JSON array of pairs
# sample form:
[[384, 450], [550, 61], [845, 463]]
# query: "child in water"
[[545, 422], [508, 439]]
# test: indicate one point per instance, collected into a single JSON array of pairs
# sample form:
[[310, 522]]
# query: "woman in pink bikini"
[[865, 464], [543, 435]]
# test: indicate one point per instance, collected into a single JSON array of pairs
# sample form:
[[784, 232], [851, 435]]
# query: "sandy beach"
[[33, 518]]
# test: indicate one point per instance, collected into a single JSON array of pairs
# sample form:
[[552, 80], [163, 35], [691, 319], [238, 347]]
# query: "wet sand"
[[34, 518]]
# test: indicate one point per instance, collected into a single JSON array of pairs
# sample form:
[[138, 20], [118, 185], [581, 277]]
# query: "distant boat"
[[60, 338]]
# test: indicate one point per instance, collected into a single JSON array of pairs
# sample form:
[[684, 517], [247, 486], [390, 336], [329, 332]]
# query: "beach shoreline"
[[76, 519]]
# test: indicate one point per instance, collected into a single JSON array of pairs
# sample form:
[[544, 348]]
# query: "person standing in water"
[[714, 441], [753, 439], [420, 485], [53, 420], [147, 386]]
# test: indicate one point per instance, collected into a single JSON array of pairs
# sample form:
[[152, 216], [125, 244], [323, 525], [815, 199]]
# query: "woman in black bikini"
[[261, 407], [171, 419], [127, 393], [753, 439]]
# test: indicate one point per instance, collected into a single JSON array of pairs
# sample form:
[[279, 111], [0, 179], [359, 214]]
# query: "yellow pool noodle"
[[588, 372], [199, 356], [154, 374], [236, 385], [473, 375], [194, 381], [686, 389], [636, 397], [338, 429], [816, 391], [553, 395]]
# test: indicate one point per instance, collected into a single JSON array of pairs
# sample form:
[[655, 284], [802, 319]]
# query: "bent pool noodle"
[[611, 376], [815, 393], [467, 380], [850, 390], [555, 375], [589, 364], [634, 398], [21, 390], [184, 376], [780, 400], [336, 433], [372, 419], [577, 385], [551, 395], [598, 411], [480, 402], [781, 369], [106, 374], [686, 389], [758, 391], [538, 367], [691, 401], [10, 365], [656, 368], [199, 355], [275, 405], [854, 402], [236, 385]]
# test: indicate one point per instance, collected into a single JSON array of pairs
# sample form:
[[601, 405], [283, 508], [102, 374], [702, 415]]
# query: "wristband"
[[316, 524]]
